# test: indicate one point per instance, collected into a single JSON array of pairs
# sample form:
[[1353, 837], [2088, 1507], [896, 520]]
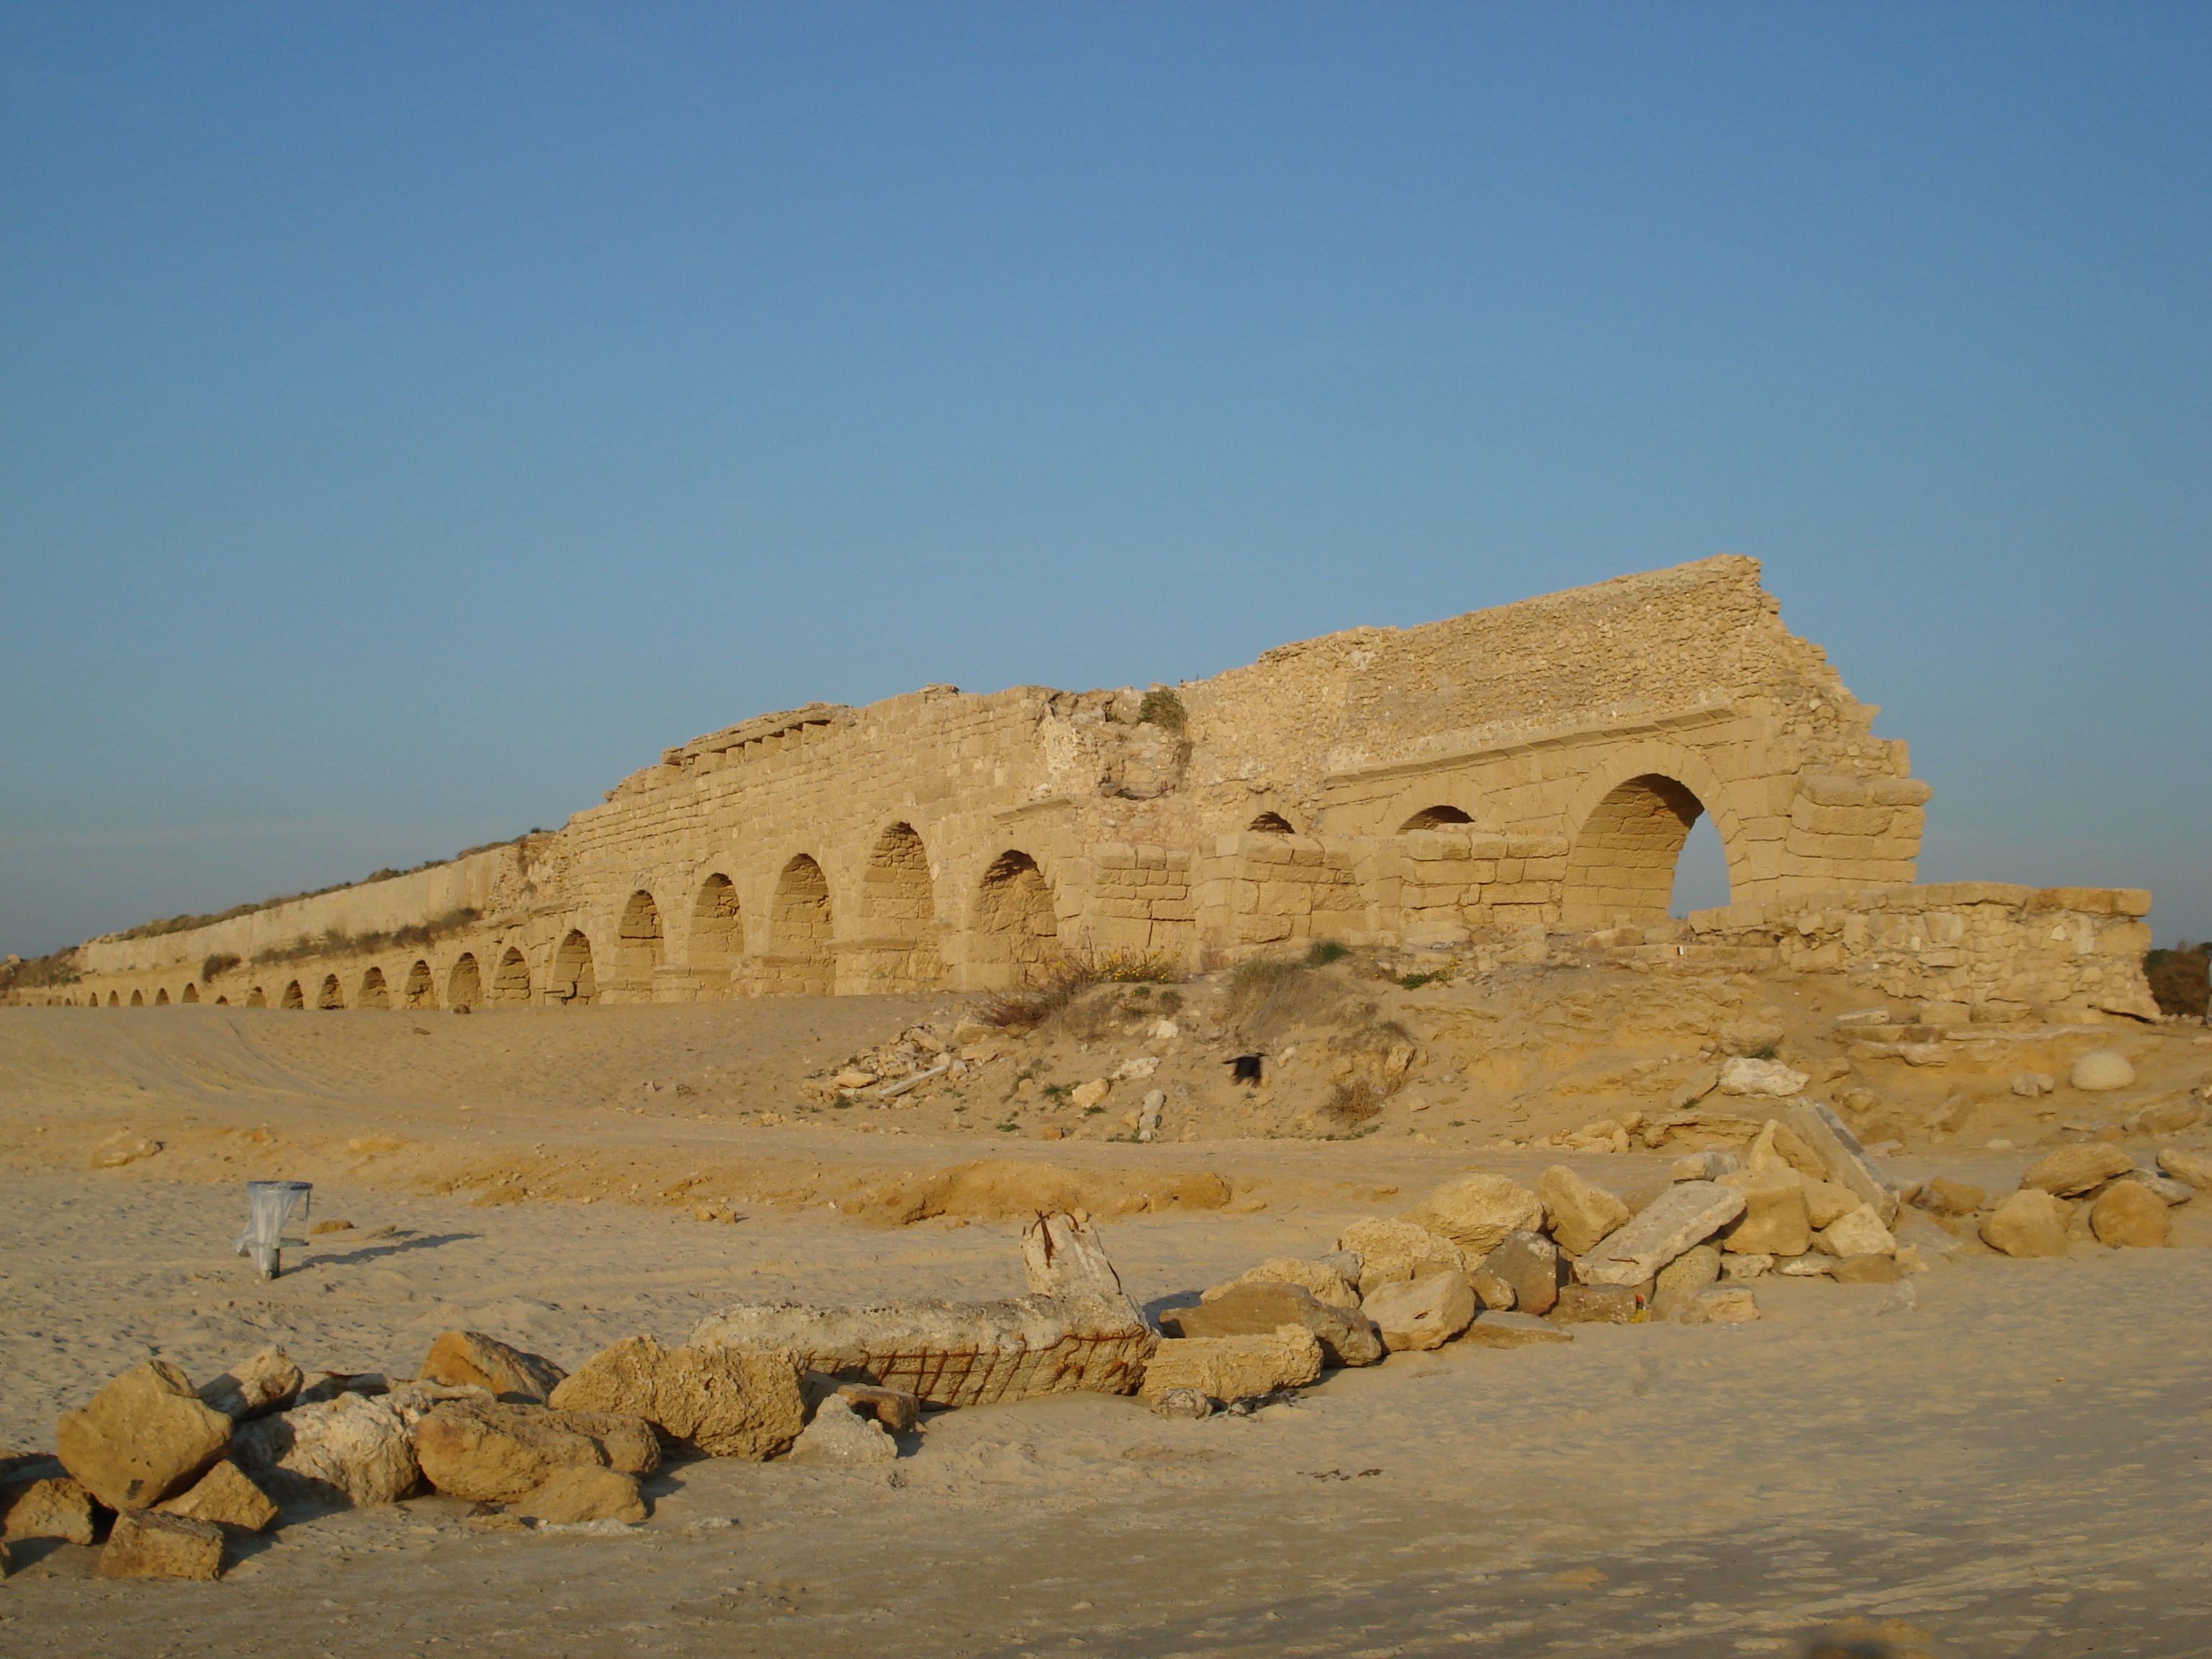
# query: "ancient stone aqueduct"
[[1475, 783]]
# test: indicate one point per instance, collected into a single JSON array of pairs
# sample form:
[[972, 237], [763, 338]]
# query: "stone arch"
[[161, 996], [420, 991], [293, 996], [1442, 816], [464, 983], [510, 981], [256, 998], [572, 979], [639, 946], [1625, 832], [373, 993], [1271, 823], [800, 924], [192, 993], [222, 1002], [898, 911], [718, 927], [113, 1000], [332, 994], [1017, 933], [137, 999]]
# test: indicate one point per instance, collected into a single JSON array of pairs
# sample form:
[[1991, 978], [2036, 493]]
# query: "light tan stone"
[[1325, 1282], [1476, 1212], [2100, 1070], [227, 1496], [1578, 1213], [352, 1452], [2030, 1222], [1688, 1212], [1941, 1195], [1499, 1328], [1597, 1304], [2194, 1168], [144, 1544], [1761, 1078], [1778, 1147], [1695, 1269], [843, 1436], [1230, 1368], [727, 1403], [2127, 1213], [495, 1453], [568, 1496], [1827, 1202], [1392, 1248], [1347, 1336], [1716, 1304], [1419, 1313], [1866, 1270], [1774, 1221], [2072, 1171], [264, 1381], [50, 1508], [472, 1359], [1848, 1163], [1859, 1233], [143, 1436], [1492, 1291]]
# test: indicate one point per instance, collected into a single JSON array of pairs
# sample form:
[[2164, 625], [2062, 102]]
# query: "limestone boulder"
[[142, 1438], [725, 1402], [264, 1381], [2073, 1170], [495, 1453], [899, 1411], [2030, 1222], [1389, 1249], [1779, 1147], [353, 1452], [1418, 1314], [1709, 1165], [1859, 1233], [2129, 1213], [2163, 1188], [2101, 1070], [1943, 1196], [1577, 1213], [1495, 1328], [2194, 1168], [1491, 1291], [1866, 1270], [145, 1544], [1476, 1212], [1597, 1304], [570, 1496], [840, 1436], [1847, 1162], [1741, 1269], [1715, 1304], [472, 1359], [2166, 1117], [1827, 1201], [1529, 1263], [1688, 1212], [1774, 1221], [1695, 1269], [55, 1507], [227, 1496], [1764, 1079], [1325, 1280], [1347, 1336], [1230, 1368]]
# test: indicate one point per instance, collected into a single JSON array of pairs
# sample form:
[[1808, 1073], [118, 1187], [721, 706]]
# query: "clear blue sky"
[[413, 417]]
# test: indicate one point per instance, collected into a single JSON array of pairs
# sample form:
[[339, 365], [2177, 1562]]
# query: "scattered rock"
[[1709, 1165], [495, 1453], [1859, 1233], [1847, 1162], [1325, 1279], [2101, 1069], [1688, 1212], [1390, 1249], [1827, 1201], [2165, 1117], [1347, 1336], [145, 1544], [571, 1496], [226, 1495], [1810, 1265], [1500, 1329], [1085, 1096], [899, 1411], [1716, 1305], [2029, 1085], [1418, 1314], [1228, 1368], [1773, 1222], [142, 1437], [321, 1228], [2129, 1213], [1491, 1291], [1577, 1212], [839, 1435], [264, 1381], [727, 1403], [1597, 1304], [1739, 1269], [1695, 1269], [2030, 1222], [1529, 1262], [2194, 1168], [1779, 1147], [121, 1148], [1764, 1079], [1189, 1405], [472, 1359], [57, 1507], [1942, 1196], [353, 1452], [2166, 1189], [1476, 1213], [1865, 1270], [2072, 1171]]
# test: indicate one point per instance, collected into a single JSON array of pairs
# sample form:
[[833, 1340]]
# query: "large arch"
[[898, 911], [718, 927], [373, 993], [1620, 865], [464, 983], [332, 994], [161, 996], [293, 996], [192, 993], [256, 998], [800, 925], [639, 947], [1271, 823], [1017, 933], [113, 1000], [421, 989], [572, 979], [137, 999], [510, 981], [1442, 816]]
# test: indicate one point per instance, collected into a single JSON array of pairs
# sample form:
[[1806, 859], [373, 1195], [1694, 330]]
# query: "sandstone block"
[[51, 1508], [1859, 1233], [1418, 1314], [1347, 1336], [1716, 1304], [2072, 1171], [727, 1403], [842, 1437], [1529, 1263], [2166, 1117], [1324, 1279], [353, 1452], [1391, 1248], [1768, 1079], [1597, 1304], [1491, 1291], [226, 1495], [143, 1436], [2164, 1187], [1577, 1213], [2029, 1085], [1497, 1328], [2031, 1222], [1741, 1270], [1695, 1269], [1812, 1264], [1942, 1196], [1709, 1165], [1866, 1270], [264, 1381], [1085, 1096], [2194, 1168], [144, 1544], [2127, 1213], [1827, 1201], [1779, 1147], [1847, 1162], [1774, 1221], [570, 1496], [1229, 1368], [472, 1359], [1476, 1213], [2100, 1070], [1688, 1212], [495, 1454]]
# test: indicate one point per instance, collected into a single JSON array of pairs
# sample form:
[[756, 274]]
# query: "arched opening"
[[332, 995], [718, 933], [373, 993], [898, 906], [293, 996], [1701, 875], [256, 998], [113, 1000], [1271, 823], [573, 981], [637, 940], [1017, 933], [1621, 867], [418, 992], [464, 985], [161, 996], [137, 999], [1435, 817], [192, 993], [510, 981], [799, 923], [222, 1002]]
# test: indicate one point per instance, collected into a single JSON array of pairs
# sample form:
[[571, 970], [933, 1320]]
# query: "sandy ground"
[[2009, 1456]]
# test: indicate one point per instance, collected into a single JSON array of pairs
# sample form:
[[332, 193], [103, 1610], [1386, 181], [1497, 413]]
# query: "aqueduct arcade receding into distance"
[[1534, 766]]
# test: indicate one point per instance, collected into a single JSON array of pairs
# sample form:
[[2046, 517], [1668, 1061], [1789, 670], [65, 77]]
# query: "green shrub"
[[215, 964], [1323, 951], [2181, 979], [1164, 708]]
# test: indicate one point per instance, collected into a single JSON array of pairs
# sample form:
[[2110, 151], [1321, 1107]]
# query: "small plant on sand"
[[1323, 951]]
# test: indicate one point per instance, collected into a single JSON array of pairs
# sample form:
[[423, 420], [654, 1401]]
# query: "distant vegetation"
[[338, 942], [2181, 979], [39, 972]]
